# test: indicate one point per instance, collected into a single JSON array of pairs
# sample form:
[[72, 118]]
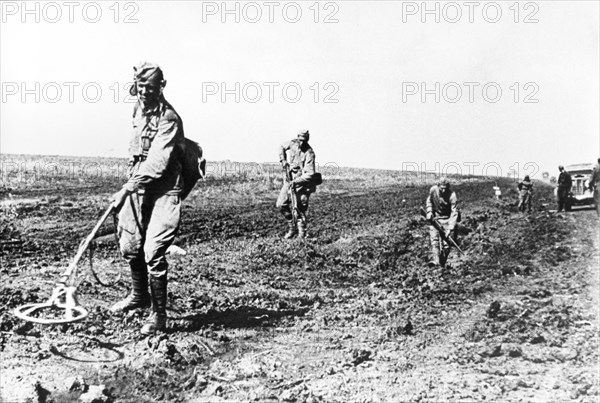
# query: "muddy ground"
[[352, 314]]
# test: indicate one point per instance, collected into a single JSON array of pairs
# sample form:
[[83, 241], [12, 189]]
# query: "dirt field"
[[352, 314]]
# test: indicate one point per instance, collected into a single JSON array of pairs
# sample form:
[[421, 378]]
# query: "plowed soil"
[[352, 314]]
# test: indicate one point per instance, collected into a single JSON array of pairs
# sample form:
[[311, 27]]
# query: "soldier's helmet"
[[304, 134], [444, 181], [560, 167], [526, 177]]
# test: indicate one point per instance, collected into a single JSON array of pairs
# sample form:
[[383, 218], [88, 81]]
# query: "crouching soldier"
[[298, 161], [442, 206], [525, 191], [150, 200]]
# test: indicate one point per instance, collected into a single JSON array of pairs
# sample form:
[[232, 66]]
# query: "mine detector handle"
[[69, 274], [436, 224], [291, 192]]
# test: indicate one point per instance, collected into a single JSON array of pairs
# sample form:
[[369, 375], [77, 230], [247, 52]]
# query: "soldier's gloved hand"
[[429, 216], [292, 184]]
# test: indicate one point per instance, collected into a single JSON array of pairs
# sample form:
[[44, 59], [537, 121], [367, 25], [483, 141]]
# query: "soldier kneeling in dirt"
[[298, 160], [150, 200], [442, 205]]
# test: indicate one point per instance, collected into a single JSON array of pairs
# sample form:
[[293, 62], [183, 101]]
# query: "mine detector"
[[436, 224], [62, 306]]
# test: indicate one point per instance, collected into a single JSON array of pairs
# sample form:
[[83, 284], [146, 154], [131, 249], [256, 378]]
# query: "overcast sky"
[[361, 67]]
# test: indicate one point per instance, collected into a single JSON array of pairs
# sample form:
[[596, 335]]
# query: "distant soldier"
[[298, 158], [564, 187], [595, 185], [150, 200], [442, 205], [525, 191]]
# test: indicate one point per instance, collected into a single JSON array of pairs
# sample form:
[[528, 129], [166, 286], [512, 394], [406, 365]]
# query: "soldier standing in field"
[[297, 157], [441, 205], [525, 191], [595, 185], [150, 200], [564, 187]]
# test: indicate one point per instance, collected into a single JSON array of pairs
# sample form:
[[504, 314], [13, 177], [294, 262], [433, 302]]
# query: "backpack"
[[193, 166]]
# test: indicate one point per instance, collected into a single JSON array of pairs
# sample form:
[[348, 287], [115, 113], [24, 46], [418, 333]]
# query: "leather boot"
[[138, 297], [157, 321], [291, 230], [301, 229]]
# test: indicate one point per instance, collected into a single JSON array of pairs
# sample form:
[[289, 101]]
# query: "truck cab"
[[580, 194]]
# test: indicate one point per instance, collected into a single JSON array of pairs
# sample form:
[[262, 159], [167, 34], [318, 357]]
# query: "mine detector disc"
[[62, 307]]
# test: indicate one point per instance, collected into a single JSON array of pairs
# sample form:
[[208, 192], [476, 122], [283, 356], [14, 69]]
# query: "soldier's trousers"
[[147, 227], [562, 193], [525, 201], [284, 202], [440, 250], [597, 199]]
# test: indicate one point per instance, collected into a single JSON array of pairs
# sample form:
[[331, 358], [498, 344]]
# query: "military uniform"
[[564, 187], [525, 191], [150, 218], [442, 206], [301, 160], [150, 214], [595, 184]]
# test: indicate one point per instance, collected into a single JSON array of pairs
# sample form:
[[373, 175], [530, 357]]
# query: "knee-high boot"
[[158, 319], [138, 297]]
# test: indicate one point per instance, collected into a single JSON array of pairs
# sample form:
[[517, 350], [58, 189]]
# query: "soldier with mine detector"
[[525, 188], [297, 159], [443, 215], [150, 201]]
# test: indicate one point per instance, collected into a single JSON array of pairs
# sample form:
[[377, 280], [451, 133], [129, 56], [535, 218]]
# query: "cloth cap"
[[304, 134], [526, 177], [147, 72]]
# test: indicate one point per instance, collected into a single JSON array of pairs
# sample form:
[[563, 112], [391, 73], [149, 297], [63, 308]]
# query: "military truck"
[[580, 194]]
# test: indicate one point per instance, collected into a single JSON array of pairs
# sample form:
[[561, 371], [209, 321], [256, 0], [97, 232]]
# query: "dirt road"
[[353, 314]]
